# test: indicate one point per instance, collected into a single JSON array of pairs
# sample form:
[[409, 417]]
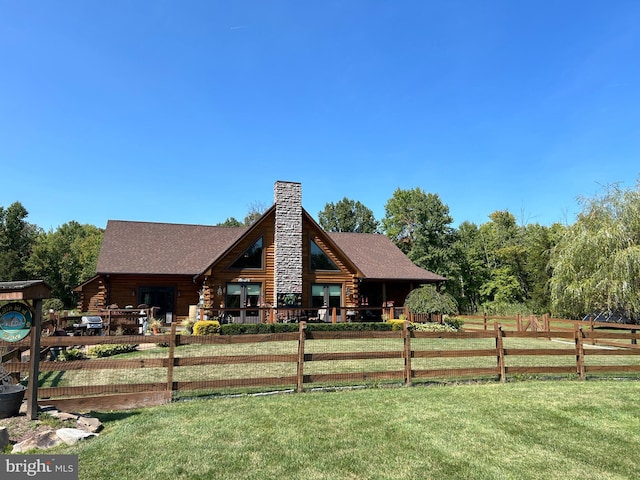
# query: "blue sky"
[[189, 111]]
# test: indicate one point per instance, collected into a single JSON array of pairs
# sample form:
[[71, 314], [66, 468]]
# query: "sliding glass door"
[[240, 298]]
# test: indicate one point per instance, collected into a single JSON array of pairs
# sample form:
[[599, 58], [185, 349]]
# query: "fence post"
[[484, 320], [580, 368], [406, 334], [34, 361], [300, 370], [547, 325], [334, 319], [519, 323], [500, 352], [171, 359]]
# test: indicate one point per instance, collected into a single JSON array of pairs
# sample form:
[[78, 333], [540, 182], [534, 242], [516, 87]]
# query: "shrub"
[[206, 327], [396, 325], [454, 322], [256, 328], [101, 351], [433, 327], [427, 299], [71, 354], [349, 327]]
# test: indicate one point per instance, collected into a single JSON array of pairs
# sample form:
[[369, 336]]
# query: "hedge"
[[257, 328]]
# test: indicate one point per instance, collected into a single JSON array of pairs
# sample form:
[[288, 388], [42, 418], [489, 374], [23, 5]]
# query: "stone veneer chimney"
[[288, 243]]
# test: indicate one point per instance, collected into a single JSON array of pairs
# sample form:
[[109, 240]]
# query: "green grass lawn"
[[523, 430]]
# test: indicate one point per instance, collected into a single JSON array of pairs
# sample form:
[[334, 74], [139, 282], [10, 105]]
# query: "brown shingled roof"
[[162, 248], [177, 249], [379, 258]]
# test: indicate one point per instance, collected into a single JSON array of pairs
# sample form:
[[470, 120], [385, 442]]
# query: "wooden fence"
[[546, 323], [347, 358]]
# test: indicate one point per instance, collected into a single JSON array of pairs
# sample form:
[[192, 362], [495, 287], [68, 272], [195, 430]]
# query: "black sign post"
[[34, 361]]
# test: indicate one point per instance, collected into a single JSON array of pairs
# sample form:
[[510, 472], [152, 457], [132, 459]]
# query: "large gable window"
[[251, 258], [320, 260]]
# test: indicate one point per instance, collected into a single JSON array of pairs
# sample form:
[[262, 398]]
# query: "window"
[[243, 296], [326, 295], [320, 260], [251, 258]]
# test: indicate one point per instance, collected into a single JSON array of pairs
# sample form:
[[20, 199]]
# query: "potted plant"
[[155, 325], [11, 395], [188, 323]]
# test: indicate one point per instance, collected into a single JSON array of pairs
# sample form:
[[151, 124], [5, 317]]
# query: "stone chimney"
[[288, 243]]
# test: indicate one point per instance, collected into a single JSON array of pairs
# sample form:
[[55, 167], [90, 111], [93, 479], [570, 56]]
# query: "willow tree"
[[596, 264]]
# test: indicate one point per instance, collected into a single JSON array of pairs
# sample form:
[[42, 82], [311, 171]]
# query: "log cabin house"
[[282, 267]]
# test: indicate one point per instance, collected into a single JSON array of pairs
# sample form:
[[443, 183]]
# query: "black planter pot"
[[10, 400]]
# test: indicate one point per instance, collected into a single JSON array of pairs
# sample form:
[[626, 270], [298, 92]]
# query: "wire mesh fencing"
[[115, 372]]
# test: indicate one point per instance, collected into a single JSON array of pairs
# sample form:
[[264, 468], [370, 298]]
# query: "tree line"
[[500, 267], [64, 258]]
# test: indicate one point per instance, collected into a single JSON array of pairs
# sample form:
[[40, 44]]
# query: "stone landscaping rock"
[[37, 435], [90, 424], [62, 415], [40, 441], [71, 436]]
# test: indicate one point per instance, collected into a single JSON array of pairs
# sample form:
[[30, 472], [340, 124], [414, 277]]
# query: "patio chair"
[[322, 315]]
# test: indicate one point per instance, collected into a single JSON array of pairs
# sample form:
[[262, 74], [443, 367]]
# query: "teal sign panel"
[[15, 321]]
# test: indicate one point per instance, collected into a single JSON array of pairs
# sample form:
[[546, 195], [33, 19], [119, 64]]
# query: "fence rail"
[[173, 364]]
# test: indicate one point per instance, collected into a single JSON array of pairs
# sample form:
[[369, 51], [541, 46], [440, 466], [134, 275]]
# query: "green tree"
[[16, 239], [473, 272], [596, 264], [230, 222], [420, 225], [66, 257], [347, 216], [503, 267], [505, 257], [539, 242], [403, 216]]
